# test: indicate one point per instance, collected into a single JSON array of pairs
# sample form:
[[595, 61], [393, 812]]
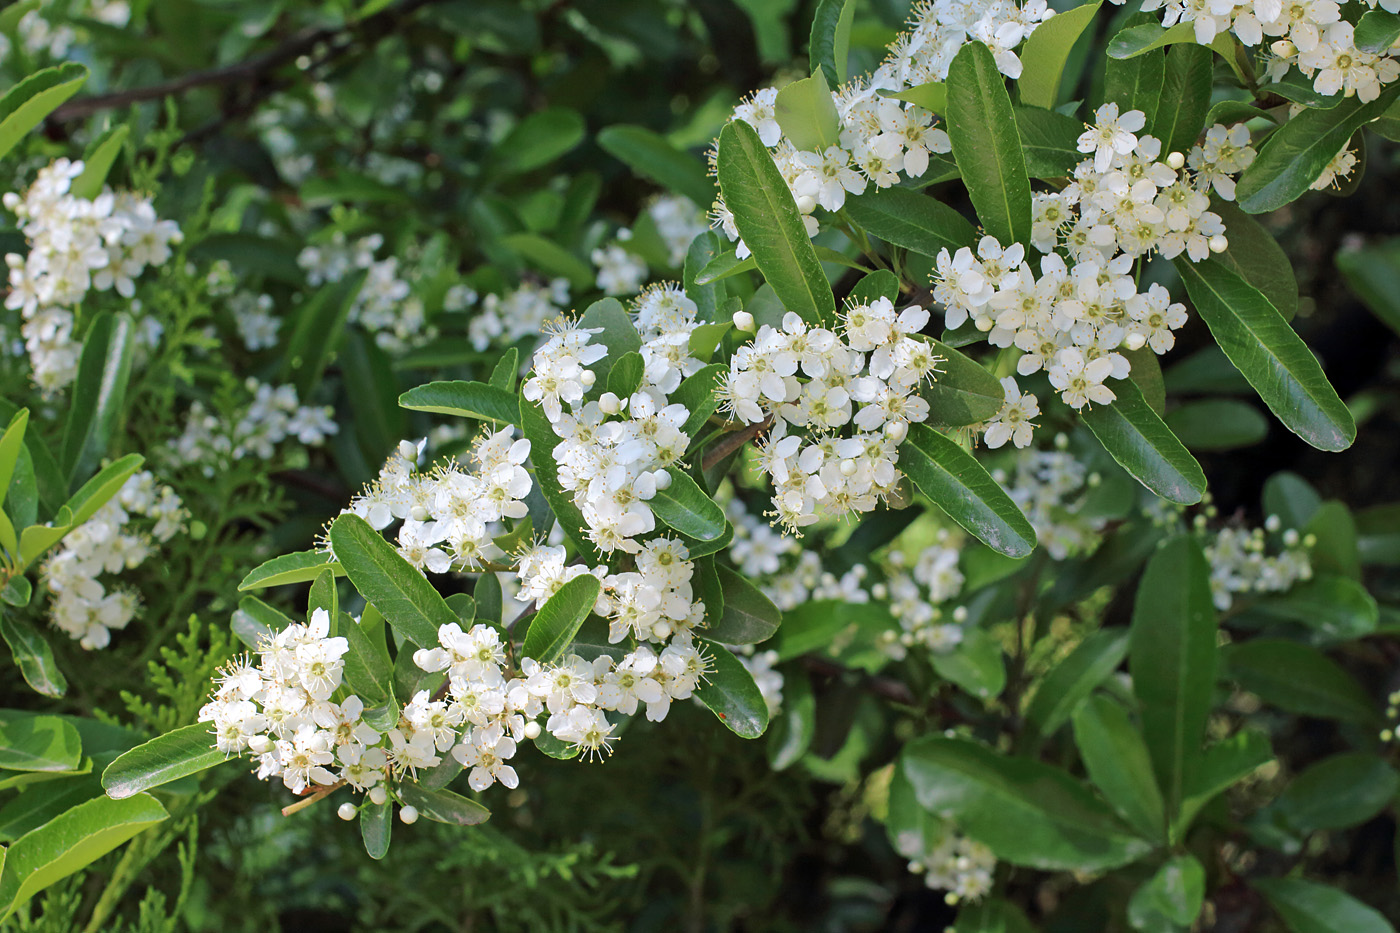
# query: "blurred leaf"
[[1172, 898], [1336, 608], [1069, 682], [373, 391], [1299, 679], [1373, 273], [26, 105], [1220, 767], [1292, 499], [976, 665], [1217, 424], [37, 743], [982, 128], [317, 332], [1307, 907], [649, 155], [795, 724], [551, 259], [1117, 761], [538, 139], [1338, 792], [34, 658], [992, 916]]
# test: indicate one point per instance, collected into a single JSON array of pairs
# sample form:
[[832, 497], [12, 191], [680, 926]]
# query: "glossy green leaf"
[[698, 393], [1295, 154], [959, 485], [829, 43], [807, 114], [749, 617], [1047, 50], [1308, 907], [1220, 767], [38, 743], [1170, 899], [33, 655], [1138, 40], [376, 828], [684, 507], [538, 139], [932, 96], [368, 670], [70, 842], [298, 567], [443, 805], [1336, 608], [723, 266], [406, 599], [911, 219], [555, 625], [770, 225], [1143, 445], [11, 442], [1116, 758], [1269, 354], [1172, 658], [626, 375], [1186, 89], [478, 400], [986, 147], [1217, 424], [730, 692], [1373, 274], [187, 750], [619, 334], [255, 620], [1298, 679], [99, 393], [101, 155], [1376, 31], [1135, 83], [1069, 682], [29, 102], [1256, 257], [1027, 812], [1049, 140], [652, 157], [1338, 792]]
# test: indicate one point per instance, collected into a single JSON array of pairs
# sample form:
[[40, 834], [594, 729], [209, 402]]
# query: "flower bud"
[[378, 795], [409, 815], [1176, 160], [662, 630], [1134, 341], [409, 451], [1218, 243], [663, 479], [588, 378], [532, 730], [1284, 49], [419, 514], [743, 321], [897, 431], [610, 403], [259, 744], [346, 811], [848, 468]]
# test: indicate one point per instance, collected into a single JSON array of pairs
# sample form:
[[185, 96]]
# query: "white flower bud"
[[1135, 341], [661, 630], [1284, 49], [346, 811], [848, 468], [409, 451], [1218, 243], [378, 795], [610, 403], [1176, 160], [897, 431], [1273, 523], [588, 378], [409, 815], [419, 514], [663, 479], [532, 730], [743, 321], [259, 744]]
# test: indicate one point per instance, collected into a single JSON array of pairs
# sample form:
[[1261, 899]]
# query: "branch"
[[732, 442]]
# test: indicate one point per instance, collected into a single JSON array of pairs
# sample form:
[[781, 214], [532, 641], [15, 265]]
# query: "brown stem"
[[311, 798], [732, 442]]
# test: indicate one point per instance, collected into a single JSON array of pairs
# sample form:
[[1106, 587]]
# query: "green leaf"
[[1338, 792], [1172, 658], [1118, 763], [1256, 257], [1046, 52], [1307, 907], [555, 625], [706, 338], [551, 259], [829, 43], [731, 694], [976, 665], [908, 218], [443, 805], [254, 620], [1334, 607], [318, 331], [1139, 40], [796, 723], [368, 670], [1295, 154], [1068, 683], [376, 828], [1217, 424], [1171, 898], [1143, 445], [626, 375], [1292, 499], [992, 916], [1376, 31], [684, 507], [749, 616], [882, 283], [98, 393], [1186, 87], [932, 96], [770, 225], [165, 758], [538, 139], [1269, 354], [1220, 767], [478, 400], [986, 146], [619, 334], [34, 658], [958, 484], [11, 442], [723, 266], [1027, 812], [1298, 679], [97, 162], [298, 567], [652, 157], [1049, 140], [708, 298], [697, 392], [70, 842], [807, 114], [813, 625], [406, 599], [507, 371], [38, 743], [29, 102], [1136, 83]]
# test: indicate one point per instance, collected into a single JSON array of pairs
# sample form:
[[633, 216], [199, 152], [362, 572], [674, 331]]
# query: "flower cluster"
[[255, 319], [77, 245], [678, 222], [520, 313], [1315, 36], [271, 415], [620, 271], [761, 666], [1240, 563], [782, 569], [450, 514], [915, 596], [956, 863], [838, 405], [1050, 488], [108, 543], [384, 305]]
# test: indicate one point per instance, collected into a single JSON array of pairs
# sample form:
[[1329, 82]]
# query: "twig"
[[314, 796], [727, 445]]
